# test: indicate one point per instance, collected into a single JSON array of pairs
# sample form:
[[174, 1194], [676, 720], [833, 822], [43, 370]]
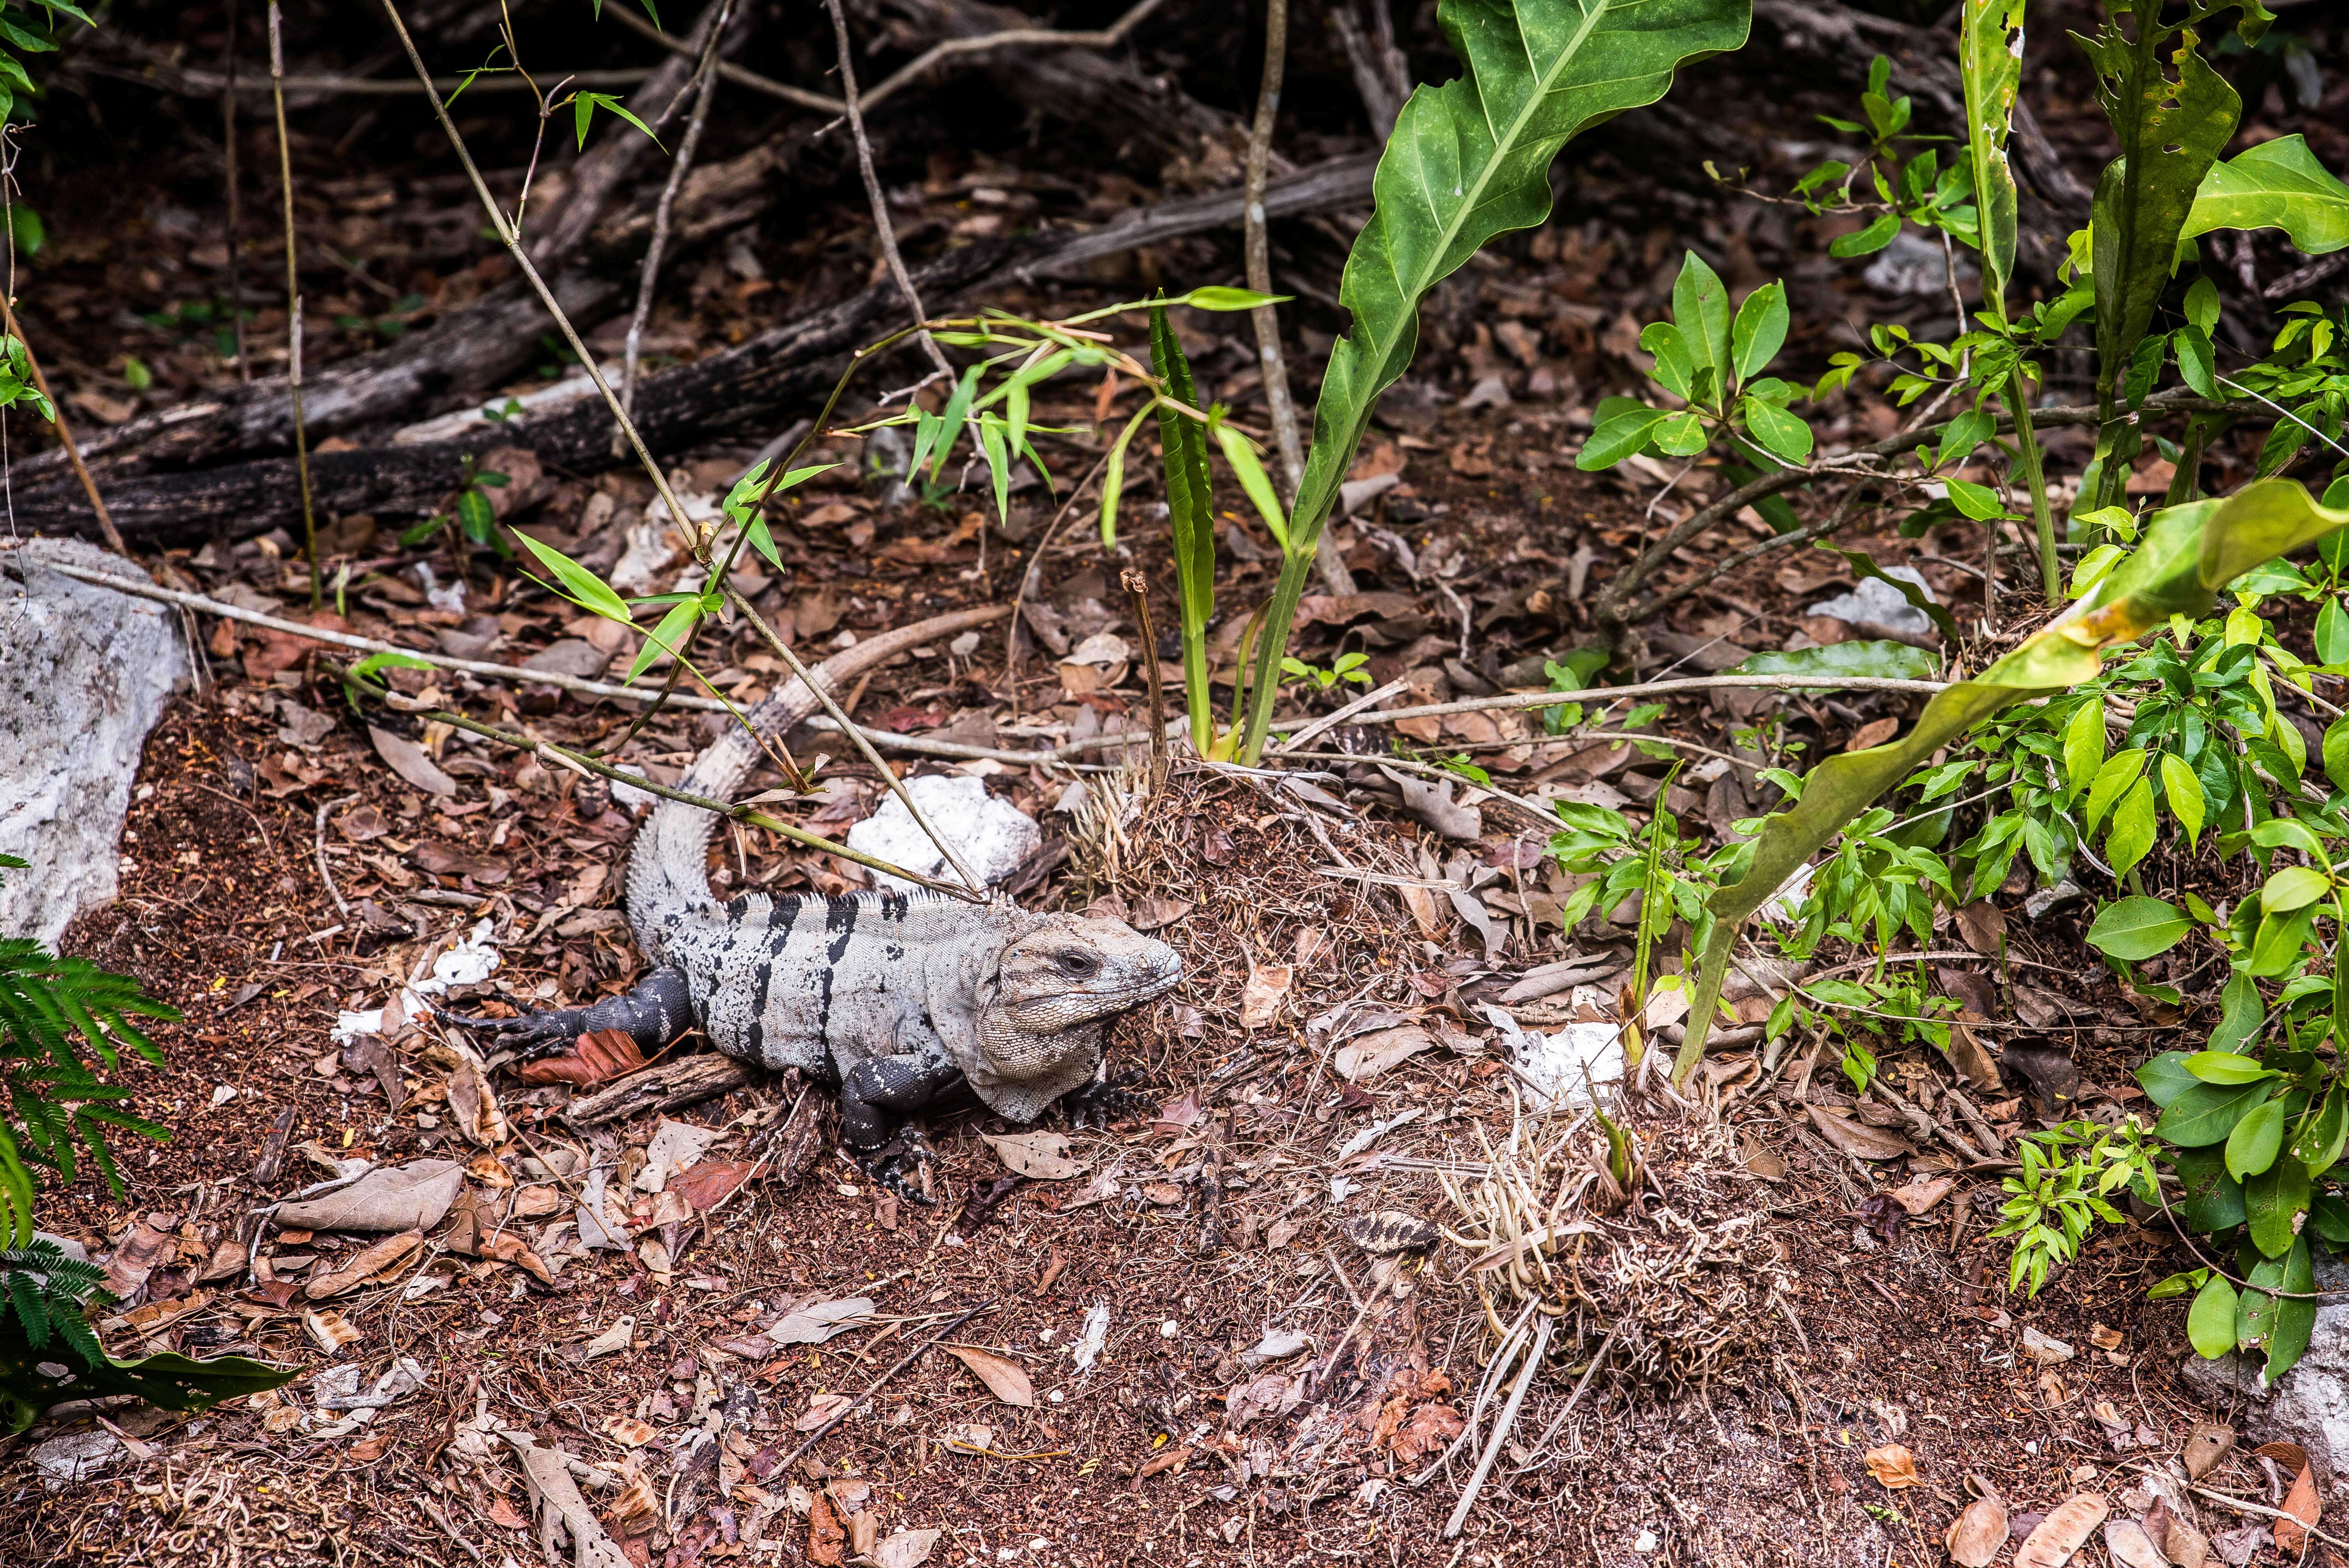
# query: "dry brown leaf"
[[1976, 1067], [1920, 1194], [823, 1408], [2131, 1547], [2205, 1445], [476, 1105], [382, 1261], [2104, 1339], [826, 1539], [411, 1197], [628, 1431], [1876, 732], [600, 1056], [705, 1186], [1260, 998], [1425, 912], [906, 1549], [1041, 1155], [1978, 1535], [1006, 1380], [329, 1331], [1367, 1056], [504, 1514], [1894, 1466], [2302, 1503], [489, 1171], [142, 1250], [2061, 1533], [1856, 1136], [411, 762], [1178, 1114], [1983, 925]]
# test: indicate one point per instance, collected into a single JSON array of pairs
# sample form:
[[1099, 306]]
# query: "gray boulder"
[[84, 672], [2310, 1405]]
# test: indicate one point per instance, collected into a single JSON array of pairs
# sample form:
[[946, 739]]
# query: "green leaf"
[[2276, 946], [1990, 66], [2277, 184], [1784, 434], [1760, 331], [2211, 1322], [2254, 1143], [1979, 502], [1882, 660], [2321, 1138], [1241, 455], [2213, 1200], [2207, 1114], [669, 638], [2132, 833], [169, 1381], [1192, 516], [1700, 311], [2171, 135], [2197, 361], [1869, 240], [2225, 1068], [2295, 1315], [2119, 772], [2330, 1215], [2164, 1078], [1466, 161], [2241, 1014], [585, 589], [2184, 792], [2332, 632], [1619, 438], [2083, 744], [1219, 297], [2138, 928], [1680, 435], [2291, 887], [2273, 1201]]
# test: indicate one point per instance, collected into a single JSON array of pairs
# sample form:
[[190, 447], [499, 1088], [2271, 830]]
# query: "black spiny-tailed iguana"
[[895, 998]]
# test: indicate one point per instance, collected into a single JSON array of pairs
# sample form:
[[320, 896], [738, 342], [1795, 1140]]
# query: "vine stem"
[[2027, 449]]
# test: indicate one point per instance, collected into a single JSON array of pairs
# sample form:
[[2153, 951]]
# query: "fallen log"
[[736, 390]]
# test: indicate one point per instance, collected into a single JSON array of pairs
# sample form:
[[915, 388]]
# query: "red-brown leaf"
[[599, 1056]]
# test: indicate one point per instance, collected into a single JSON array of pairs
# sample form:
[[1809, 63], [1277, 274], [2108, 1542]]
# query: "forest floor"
[[1796, 1283]]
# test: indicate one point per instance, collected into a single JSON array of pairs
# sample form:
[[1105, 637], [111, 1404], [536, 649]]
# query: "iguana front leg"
[[1107, 1099], [873, 1089], [655, 1012]]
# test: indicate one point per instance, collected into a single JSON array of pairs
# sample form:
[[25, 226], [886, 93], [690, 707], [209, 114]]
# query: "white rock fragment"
[[993, 835], [1878, 603]]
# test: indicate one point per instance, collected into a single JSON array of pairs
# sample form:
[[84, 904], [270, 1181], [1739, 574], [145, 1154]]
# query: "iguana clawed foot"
[[1105, 1100], [890, 1164], [654, 1012]]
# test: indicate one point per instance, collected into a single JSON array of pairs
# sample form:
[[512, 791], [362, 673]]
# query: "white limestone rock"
[[993, 835], [85, 674]]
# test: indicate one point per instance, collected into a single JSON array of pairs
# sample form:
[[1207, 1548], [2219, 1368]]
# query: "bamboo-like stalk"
[[293, 306]]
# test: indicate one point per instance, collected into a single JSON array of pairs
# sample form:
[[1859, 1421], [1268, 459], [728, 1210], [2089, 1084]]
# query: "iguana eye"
[[1078, 965]]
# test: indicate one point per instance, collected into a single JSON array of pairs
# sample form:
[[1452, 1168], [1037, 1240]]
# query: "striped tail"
[[667, 870]]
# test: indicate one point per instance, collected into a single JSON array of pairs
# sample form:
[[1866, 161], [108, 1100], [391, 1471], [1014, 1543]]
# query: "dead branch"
[[884, 233]]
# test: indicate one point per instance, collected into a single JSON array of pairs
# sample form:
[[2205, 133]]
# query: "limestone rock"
[[993, 835], [84, 672]]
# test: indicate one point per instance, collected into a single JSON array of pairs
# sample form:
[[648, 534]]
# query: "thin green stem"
[[2027, 449]]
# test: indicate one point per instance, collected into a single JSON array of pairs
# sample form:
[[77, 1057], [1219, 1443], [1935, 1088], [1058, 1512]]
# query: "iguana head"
[[1070, 971]]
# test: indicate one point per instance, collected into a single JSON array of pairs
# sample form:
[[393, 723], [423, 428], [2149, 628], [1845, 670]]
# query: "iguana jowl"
[[898, 998]]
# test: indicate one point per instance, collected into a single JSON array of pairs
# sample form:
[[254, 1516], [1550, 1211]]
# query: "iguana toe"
[[894, 1162], [1105, 1100]]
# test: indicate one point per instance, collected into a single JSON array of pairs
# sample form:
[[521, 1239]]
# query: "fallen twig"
[[704, 89], [883, 229], [874, 1386], [2242, 1505]]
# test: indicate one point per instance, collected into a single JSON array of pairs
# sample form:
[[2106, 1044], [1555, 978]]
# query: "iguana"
[[898, 999]]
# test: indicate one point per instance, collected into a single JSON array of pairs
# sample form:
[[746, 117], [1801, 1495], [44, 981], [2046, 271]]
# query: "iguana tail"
[[668, 870]]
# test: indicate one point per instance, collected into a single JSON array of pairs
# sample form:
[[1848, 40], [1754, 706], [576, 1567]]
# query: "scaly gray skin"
[[898, 999]]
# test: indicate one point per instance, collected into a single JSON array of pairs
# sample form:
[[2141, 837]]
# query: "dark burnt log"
[[739, 390]]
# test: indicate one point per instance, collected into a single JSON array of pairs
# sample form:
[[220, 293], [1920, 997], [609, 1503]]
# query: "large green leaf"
[[1989, 61], [2187, 554], [171, 1381], [1872, 660], [1466, 161], [1191, 513], [2171, 133], [2278, 184]]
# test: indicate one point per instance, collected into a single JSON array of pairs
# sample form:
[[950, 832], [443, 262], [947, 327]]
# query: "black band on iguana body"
[[656, 1011]]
